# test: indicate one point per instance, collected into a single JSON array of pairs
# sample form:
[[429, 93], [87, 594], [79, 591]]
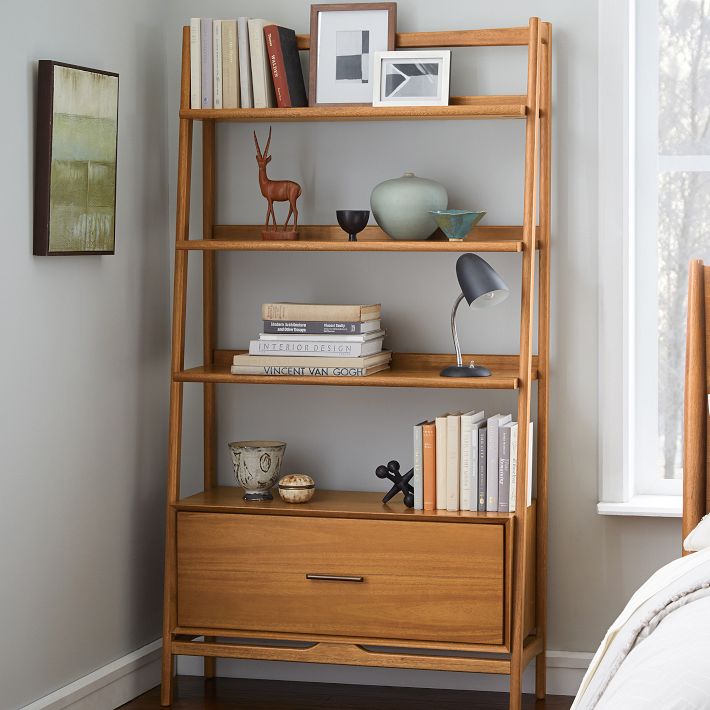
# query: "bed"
[[656, 655]]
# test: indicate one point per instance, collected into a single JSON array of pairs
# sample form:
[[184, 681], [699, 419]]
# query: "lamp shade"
[[480, 283]]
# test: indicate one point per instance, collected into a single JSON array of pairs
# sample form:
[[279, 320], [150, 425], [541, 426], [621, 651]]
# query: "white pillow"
[[699, 537]]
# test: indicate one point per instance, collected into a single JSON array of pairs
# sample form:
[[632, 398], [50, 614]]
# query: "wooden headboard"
[[696, 480]]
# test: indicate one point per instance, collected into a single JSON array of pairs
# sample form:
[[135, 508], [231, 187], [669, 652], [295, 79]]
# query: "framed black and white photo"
[[344, 39], [412, 78]]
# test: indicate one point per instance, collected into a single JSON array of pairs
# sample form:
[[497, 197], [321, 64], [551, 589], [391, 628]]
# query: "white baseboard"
[[565, 670], [108, 687]]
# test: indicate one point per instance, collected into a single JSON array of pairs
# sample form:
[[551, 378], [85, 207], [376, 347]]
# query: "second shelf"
[[407, 370]]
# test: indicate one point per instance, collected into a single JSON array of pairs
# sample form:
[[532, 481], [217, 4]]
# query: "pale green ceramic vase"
[[402, 206]]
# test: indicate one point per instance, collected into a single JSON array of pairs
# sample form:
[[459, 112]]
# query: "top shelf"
[[460, 107]]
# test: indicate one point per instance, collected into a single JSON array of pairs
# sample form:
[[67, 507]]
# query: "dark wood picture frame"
[[44, 133], [391, 8]]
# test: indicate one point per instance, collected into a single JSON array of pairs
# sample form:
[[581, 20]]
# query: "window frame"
[[623, 490]]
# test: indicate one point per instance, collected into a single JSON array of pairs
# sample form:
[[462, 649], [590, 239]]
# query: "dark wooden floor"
[[221, 693]]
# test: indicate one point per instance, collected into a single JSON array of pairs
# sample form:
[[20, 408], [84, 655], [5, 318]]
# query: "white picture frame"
[[422, 87]]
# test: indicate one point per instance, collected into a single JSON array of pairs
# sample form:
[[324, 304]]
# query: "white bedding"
[[656, 655]]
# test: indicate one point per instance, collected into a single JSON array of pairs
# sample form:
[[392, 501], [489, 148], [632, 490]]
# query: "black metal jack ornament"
[[401, 483]]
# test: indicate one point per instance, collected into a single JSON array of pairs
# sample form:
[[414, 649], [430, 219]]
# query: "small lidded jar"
[[296, 488]]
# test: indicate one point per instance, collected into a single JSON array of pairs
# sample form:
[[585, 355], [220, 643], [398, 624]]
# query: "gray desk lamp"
[[482, 287]]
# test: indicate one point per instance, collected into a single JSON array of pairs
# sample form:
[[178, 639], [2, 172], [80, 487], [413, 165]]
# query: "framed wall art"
[[344, 38], [75, 160], [412, 78]]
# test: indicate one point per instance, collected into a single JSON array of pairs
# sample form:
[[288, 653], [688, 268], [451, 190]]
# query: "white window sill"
[[649, 506]]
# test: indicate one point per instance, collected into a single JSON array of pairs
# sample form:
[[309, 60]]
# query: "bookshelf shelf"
[[461, 107], [407, 370], [476, 581], [247, 237], [328, 504]]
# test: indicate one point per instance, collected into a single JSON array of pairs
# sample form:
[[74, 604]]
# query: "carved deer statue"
[[276, 190]]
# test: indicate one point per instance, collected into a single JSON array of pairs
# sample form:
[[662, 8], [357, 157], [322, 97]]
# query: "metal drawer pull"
[[334, 578]]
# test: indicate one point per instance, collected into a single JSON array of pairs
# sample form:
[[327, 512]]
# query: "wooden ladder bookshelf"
[[500, 559]]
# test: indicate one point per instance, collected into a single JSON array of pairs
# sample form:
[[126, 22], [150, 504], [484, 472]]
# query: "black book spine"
[[312, 327], [292, 67]]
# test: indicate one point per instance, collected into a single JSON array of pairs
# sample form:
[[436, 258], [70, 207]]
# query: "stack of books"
[[244, 63], [309, 339], [468, 462]]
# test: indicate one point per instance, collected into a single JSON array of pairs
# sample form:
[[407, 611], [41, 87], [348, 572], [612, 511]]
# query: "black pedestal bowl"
[[352, 221]]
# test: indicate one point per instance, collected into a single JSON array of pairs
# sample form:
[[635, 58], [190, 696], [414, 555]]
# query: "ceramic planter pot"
[[402, 206], [256, 466]]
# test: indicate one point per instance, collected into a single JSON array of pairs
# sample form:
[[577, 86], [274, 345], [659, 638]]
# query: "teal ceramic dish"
[[456, 224]]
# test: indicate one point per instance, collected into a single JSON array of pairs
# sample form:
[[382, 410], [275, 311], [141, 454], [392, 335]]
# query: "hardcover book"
[[453, 442], [315, 327], [504, 437], [285, 64], [482, 464], [206, 57], [429, 464], [245, 90], [195, 64], [230, 65], [335, 338], [315, 348], [440, 428], [319, 312], [217, 63], [418, 478], [262, 84], [468, 460], [307, 370], [494, 423], [286, 361]]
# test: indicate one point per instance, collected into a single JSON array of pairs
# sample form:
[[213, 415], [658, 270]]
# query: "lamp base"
[[465, 371]]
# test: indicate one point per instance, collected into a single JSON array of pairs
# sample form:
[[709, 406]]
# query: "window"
[[662, 173]]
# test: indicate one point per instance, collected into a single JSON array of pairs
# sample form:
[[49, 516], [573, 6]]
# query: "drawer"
[[421, 581]]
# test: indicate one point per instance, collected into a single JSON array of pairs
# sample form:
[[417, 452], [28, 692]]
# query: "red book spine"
[[278, 68]]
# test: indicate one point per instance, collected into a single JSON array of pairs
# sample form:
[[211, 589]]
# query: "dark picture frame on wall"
[[344, 39], [76, 143]]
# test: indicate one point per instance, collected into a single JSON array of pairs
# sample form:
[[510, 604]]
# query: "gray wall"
[[84, 359], [341, 434]]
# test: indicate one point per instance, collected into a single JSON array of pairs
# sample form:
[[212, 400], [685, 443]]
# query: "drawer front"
[[416, 581]]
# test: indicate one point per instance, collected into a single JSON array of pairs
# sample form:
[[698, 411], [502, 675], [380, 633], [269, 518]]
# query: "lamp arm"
[[459, 360]]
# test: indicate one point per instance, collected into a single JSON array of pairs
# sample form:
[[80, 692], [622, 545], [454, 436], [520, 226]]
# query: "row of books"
[[247, 63], [320, 340], [468, 462]]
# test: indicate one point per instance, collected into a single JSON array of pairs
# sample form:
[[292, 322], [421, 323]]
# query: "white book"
[[514, 468], [314, 347], [262, 83], [355, 338], [245, 92], [418, 478], [494, 423], [217, 62], [476, 424], [440, 428], [195, 66], [453, 444], [307, 371], [467, 421]]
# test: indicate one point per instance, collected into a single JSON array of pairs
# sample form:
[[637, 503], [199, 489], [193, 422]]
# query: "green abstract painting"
[[82, 186]]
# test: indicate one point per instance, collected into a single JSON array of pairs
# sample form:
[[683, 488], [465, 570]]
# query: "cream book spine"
[[230, 65], [245, 90], [217, 62], [453, 446], [195, 66], [262, 83], [440, 424]]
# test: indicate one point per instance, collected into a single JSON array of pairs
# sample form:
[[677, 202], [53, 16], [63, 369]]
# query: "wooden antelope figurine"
[[276, 191]]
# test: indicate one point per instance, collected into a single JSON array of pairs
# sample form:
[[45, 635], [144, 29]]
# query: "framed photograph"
[[412, 78], [75, 160], [344, 38]]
